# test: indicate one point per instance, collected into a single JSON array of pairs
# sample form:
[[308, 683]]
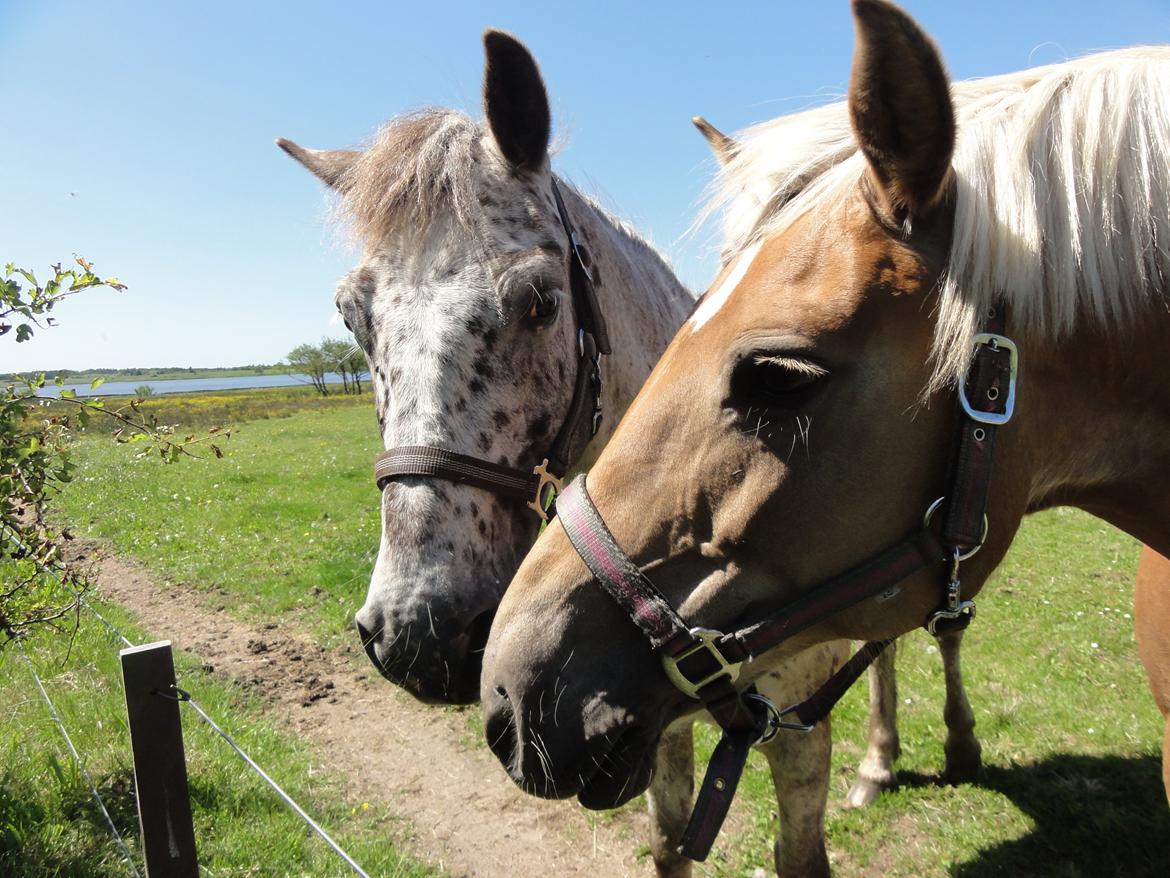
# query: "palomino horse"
[[874, 276], [467, 306], [738, 160]]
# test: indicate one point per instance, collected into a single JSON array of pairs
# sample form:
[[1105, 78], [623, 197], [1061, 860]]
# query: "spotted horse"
[[508, 321]]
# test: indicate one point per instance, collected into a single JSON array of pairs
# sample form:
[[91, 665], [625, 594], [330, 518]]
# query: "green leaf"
[[96, 383], [68, 393], [23, 332]]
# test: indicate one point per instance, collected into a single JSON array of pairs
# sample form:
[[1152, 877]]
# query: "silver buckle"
[[963, 556], [706, 638], [775, 719], [965, 608], [547, 490], [996, 342]]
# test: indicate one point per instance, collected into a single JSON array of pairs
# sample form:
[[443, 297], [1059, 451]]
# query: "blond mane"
[[1062, 194]]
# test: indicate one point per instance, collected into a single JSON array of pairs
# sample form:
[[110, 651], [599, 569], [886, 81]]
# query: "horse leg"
[[800, 765], [1151, 605], [876, 771], [669, 799], [962, 749]]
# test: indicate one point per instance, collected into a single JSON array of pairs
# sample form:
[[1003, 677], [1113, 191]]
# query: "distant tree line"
[[334, 355], [162, 372]]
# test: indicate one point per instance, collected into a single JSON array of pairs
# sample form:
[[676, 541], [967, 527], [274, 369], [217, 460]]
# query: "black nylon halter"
[[539, 485], [705, 664]]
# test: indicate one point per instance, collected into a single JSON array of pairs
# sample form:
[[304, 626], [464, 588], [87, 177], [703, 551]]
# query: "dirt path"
[[423, 763]]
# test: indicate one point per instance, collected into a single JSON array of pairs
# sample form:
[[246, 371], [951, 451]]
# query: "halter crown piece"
[[539, 486], [705, 664]]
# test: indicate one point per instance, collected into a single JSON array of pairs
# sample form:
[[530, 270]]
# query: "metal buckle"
[[547, 490], [933, 507], [706, 638], [996, 342], [775, 718], [964, 609], [954, 607]]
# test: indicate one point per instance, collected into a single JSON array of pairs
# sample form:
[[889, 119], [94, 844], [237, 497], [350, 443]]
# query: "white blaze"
[[716, 298]]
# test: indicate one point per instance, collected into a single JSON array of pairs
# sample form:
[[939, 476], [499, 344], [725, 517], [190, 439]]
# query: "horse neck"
[[643, 301], [1095, 425]]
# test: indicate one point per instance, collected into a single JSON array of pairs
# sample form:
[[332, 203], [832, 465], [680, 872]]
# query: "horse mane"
[[421, 164], [417, 165], [1062, 194]]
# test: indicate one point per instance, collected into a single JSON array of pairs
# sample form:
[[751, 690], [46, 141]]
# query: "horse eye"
[[544, 306], [778, 380]]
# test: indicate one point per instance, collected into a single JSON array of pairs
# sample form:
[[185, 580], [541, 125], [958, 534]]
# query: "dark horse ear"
[[900, 104], [328, 165], [514, 101]]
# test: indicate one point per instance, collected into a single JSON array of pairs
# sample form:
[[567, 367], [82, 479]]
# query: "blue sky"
[[140, 134]]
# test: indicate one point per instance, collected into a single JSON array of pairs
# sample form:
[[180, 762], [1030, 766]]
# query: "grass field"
[[49, 826], [287, 525]]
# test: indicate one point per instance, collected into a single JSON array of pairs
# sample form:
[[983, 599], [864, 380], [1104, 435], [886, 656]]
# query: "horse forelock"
[[418, 165], [1062, 195]]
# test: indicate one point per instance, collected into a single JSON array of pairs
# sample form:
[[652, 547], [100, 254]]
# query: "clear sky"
[[139, 134]]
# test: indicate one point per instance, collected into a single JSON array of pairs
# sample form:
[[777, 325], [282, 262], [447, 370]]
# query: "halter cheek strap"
[[705, 664], [539, 486]]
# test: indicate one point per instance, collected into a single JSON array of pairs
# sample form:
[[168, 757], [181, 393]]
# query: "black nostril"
[[369, 641], [478, 631], [500, 729]]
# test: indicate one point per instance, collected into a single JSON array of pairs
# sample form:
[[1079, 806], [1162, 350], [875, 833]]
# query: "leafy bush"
[[35, 437]]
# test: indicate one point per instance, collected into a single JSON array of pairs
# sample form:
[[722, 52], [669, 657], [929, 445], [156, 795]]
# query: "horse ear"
[[900, 104], [722, 145], [514, 101], [328, 165]]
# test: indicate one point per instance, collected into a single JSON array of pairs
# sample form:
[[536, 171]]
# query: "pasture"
[[286, 527], [49, 825]]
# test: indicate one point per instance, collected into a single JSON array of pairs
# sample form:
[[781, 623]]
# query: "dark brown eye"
[[543, 307], [777, 380]]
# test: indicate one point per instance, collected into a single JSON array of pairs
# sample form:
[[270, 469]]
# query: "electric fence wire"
[[248, 759], [80, 764]]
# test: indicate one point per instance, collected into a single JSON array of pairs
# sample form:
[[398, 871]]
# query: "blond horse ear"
[[328, 165], [900, 105], [722, 145]]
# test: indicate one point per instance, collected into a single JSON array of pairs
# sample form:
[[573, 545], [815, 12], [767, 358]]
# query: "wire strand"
[[81, 765], [83, 601], [287, 798]]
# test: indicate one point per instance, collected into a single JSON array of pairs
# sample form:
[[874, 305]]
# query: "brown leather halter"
[[705, 664], [538, 486]]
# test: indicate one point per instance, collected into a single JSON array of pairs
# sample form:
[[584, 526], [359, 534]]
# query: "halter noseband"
[[538, 486], [704, 663]]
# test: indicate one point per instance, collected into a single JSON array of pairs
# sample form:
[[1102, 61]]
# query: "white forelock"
[[1062, 194]]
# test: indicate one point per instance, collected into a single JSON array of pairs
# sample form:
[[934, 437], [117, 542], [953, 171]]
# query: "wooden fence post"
[[160, 768]]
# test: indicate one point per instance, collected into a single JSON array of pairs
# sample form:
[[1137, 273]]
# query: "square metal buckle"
[[996, 342], [706, 638]]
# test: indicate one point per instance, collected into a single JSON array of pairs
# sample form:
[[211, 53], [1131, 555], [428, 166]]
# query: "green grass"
[[50, 827], [286, 523], [287, 526]]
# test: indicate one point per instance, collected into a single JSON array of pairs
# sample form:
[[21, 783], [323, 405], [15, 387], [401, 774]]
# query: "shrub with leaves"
[[39, 585]]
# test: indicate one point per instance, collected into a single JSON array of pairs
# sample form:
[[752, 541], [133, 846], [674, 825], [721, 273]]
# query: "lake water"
[[192, 385]]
